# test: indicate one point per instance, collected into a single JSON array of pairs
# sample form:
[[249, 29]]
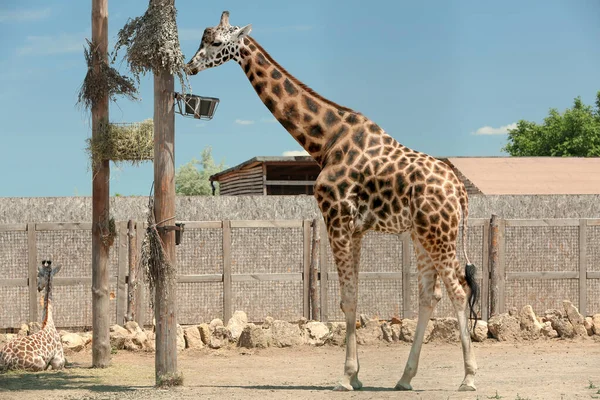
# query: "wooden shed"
[[285, 175]]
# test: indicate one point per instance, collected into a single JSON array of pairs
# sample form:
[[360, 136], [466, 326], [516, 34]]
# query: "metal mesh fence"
[[198, 302], [541, 294], [14, 306], [72, 305], [200, 252], [278, 299], [593, 249], [13, 253], [593, 296]]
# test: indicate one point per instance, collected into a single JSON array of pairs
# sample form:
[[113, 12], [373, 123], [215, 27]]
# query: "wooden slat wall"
[[243, 182]]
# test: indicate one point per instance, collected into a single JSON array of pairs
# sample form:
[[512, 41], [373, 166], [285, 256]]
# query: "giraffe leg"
[[455, 284], [347, 255], [430, 294]]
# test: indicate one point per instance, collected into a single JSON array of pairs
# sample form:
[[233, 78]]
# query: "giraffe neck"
[[313, 121], [47, 316]]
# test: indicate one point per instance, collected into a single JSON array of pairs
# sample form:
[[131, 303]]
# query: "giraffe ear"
[[56, 269], [244, 31]]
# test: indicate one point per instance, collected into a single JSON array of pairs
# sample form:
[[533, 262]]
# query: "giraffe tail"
[[470, 269]]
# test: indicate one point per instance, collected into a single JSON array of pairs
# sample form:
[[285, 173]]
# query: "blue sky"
[[445, 78]]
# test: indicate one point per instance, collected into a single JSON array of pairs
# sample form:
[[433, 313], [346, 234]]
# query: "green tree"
[[190, 180], [574, 133]]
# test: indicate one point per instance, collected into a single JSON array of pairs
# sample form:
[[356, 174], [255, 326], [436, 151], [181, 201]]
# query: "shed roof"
[[531, 175], [263, 159]]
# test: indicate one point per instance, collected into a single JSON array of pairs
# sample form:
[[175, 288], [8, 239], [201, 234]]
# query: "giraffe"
[[368, 181], [44, 348]]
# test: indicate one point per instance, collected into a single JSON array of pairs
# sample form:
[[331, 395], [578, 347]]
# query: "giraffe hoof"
[[343, 387], [467, 388], [403, 386], [356, 384]]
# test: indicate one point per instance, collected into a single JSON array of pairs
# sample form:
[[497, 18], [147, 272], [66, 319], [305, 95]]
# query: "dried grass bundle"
[[152, 42], [133, 142], [107, 82]]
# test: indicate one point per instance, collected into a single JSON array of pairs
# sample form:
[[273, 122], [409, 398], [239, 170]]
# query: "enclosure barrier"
[[264, 267]]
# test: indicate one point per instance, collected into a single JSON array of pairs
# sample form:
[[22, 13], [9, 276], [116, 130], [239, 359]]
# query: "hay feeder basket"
[[199, 107]]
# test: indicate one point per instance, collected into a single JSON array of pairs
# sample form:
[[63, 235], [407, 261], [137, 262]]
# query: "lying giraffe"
[[368, 181], [44, 348]]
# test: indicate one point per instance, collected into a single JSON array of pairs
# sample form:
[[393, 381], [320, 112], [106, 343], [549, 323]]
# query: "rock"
[[236, 324], [87, 338], [317, 333], [446, 329], [364, 319], [23, 331], [561, 325], [480, 333], [370, 333], [547, 330], [132, 327], [34, 327], [120, 338], [204, 333], [191, 334], [396, 321], [596, 324], [285, 334], [180, 338], [268, 322], [254, 337], [396, 332], [504, 327], [302, 322], [513, 312], [551, 314], [219, 338], [337, 331], [407, 331], [215, 323], [575, 318], [150, 334], [529, 323], [588, 323], [72, 342], [388, 334]]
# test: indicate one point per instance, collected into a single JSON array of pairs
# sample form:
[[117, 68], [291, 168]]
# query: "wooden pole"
[[496, 260], [132, 282], [100, 200], [314, 271], [165, 304]]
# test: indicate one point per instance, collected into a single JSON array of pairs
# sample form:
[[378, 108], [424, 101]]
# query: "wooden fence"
[[265, 266]]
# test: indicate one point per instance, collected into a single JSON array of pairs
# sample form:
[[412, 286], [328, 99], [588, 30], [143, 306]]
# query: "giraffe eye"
[[217, 44]]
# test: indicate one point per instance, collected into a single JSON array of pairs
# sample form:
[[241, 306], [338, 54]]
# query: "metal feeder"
[[179, 232], [199, 107]]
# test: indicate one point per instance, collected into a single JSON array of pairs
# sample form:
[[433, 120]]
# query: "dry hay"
[[152, 42], [107, 82], [133, 142]]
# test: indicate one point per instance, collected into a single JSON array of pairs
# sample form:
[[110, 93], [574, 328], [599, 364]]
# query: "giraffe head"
[[219, 44], [45, 272]]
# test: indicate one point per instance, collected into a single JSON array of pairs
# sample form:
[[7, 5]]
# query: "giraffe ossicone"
[[42, 349], [368, 181]]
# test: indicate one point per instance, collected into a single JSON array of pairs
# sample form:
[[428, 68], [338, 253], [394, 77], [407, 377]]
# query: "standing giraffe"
[[368, 181], [44, 348]]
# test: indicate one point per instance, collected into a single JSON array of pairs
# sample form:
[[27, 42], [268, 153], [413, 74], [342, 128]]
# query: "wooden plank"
[[478, 221], [485, 268], [13, 227], [496, 266], [202, 224], [593, 222], [306, 268], [511, 276], [593, 275], [290, 183], [264, 178], [32, 271], [241, 176], [13, 282], [61, 281], [502, 266], [249, 183], [407, 306], [282, 223], [374, 276], [200, 278], [133, 278], [583, 266], [63, 226], [226, 271], [122, 267], [542, 222], [292, 276], [315, 313], [323, 265], [142, 292]]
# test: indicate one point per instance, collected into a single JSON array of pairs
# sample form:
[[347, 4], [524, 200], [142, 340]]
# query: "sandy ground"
[[527, 370]]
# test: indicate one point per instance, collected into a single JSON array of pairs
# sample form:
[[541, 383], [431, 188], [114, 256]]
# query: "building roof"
[[531, 175], [263, 159]]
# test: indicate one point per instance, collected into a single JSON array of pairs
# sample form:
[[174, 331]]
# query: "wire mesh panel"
[[199, 302], [14, 306], [72, 305], [13, 253], [593, 249], [541, 294], [593, 296], [278, 299]]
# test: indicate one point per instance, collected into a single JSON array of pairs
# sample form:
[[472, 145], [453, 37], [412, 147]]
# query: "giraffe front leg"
[[351, 365], [58, 361]]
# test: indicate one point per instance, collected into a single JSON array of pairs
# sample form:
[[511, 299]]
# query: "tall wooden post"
[[314, 272], [132, 284], [496, 260], [164, 210], [100, 200]]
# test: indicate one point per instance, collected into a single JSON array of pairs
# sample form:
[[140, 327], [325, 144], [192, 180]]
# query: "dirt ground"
[[527, 370]]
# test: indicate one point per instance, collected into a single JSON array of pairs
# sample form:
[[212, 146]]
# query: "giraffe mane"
[[299, 83]]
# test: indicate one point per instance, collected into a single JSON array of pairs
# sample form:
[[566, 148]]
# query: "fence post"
[[140, 306], [132, 282], [32, 272], [226, 271], [485, 272], [324, 267], [497, 265], [314, 270], [406, 277], [583, 266], [122, 254], [306, 268]]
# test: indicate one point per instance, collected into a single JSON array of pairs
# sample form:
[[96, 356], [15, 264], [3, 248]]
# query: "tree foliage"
[[574, 133], [191, 179]]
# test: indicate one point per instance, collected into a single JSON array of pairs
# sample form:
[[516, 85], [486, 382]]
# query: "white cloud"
[[268, 120], [291, 153], [488, 130], [24, 15], [244, 121], [53, 44]]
